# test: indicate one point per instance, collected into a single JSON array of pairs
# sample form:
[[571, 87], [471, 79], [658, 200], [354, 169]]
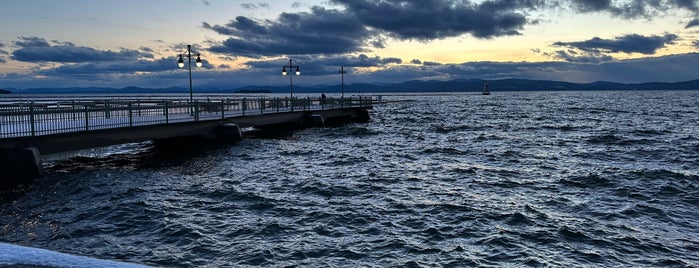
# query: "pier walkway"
[[46, 116], [31, 128]]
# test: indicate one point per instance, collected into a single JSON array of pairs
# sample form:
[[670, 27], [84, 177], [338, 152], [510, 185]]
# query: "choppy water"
[[513, 179]]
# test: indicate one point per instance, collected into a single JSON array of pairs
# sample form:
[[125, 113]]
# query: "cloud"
[[316, 70], [359, 25], [631, 43], [692, 23], [37, 50], [321, 31], [297, 5], [322, 65], [632, 9], [575, 56], [435, 19], [3, 53], [591, 5], [118, 67], [251, 6], [671, 68], [416, 61], [431, 63], [695, 43], [363, 24]]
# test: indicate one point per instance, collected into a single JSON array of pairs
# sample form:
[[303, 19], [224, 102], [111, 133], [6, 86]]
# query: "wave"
[[611, 139], [587, 181], [442, 128]]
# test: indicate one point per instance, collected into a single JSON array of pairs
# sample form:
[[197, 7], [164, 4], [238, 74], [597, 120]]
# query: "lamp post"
[[298, 72], [180, 63], [342, 73]]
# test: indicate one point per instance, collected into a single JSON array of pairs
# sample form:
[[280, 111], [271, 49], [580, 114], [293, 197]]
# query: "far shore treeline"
[[459, 85]]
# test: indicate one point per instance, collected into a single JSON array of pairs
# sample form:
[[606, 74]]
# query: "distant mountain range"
[[458, 85]]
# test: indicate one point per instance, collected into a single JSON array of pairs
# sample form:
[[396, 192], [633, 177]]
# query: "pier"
[[30, 128]]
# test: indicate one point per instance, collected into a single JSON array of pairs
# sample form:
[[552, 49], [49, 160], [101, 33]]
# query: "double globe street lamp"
[[298, 72], [180, 63]]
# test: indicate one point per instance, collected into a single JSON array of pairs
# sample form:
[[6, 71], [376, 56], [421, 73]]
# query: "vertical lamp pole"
[[342, 73], [180, 63], [298, 72]]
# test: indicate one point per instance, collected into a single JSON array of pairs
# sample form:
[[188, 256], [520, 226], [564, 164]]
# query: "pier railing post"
[[31, 118], [245, 103], [223, 108], [196, 111], [107, 115], [130, 114], [87, 117], [75, 110], [262, 105], [166, 112]]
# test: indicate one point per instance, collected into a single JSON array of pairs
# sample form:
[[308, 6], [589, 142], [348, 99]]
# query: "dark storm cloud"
[[362, 24], [631, 43], [692, 23], [634, 8], [591, 5], [435, 19], [321, 31], [692, 5], [36, 49]]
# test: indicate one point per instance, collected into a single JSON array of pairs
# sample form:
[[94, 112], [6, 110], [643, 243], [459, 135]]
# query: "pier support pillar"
[[361, 116], [19, 166], [314, 120], [230, 132]]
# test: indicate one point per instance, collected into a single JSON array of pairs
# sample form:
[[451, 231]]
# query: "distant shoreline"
[[459, 85]]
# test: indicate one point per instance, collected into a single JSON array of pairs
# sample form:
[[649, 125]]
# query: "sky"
[[100, 43]]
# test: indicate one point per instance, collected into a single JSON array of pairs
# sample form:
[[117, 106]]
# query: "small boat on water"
[[485, 89]]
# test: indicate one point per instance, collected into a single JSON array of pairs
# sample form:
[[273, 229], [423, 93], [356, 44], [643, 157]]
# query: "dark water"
[[513, 179]]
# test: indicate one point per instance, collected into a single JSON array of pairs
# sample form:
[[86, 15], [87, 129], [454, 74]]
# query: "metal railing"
[[44, 117]]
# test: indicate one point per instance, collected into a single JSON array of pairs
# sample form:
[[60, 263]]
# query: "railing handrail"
[[44, 117]]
